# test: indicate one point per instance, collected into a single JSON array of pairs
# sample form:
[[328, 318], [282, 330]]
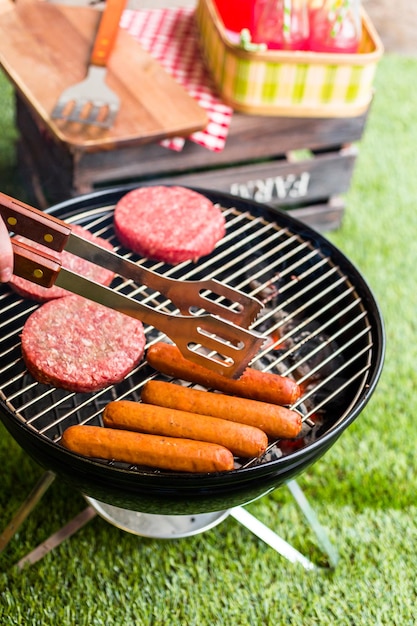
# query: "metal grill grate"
[[317, 326]]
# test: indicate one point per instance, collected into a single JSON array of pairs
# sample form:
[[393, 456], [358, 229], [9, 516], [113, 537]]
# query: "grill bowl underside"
[[326, 332]]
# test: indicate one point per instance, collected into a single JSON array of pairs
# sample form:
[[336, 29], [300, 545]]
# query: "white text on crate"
[[281, 187]]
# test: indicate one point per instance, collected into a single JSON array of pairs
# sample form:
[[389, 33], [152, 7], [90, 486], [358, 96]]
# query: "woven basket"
[[289, 83]]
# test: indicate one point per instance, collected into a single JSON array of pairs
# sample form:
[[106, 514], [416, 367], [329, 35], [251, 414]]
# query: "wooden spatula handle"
[[107, 32]]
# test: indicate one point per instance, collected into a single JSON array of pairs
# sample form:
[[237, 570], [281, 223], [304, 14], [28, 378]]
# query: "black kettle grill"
[[322, 324]]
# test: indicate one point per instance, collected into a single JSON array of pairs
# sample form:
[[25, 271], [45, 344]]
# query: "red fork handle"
[[107, 32], [22, 219]]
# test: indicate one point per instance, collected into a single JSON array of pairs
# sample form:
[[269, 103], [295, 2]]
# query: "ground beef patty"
[[80, 266], [81, 346], [169, 224]]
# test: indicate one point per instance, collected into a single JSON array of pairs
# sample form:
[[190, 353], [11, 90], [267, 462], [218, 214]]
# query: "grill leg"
[[270, 538], [277, 543], [322, 538], [57, 538], [26, 508]]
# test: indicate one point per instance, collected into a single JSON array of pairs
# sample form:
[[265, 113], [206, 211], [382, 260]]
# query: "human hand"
[[6, 254]]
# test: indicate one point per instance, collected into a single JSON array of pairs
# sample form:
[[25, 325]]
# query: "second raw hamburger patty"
[[81, 346], [169, 224]]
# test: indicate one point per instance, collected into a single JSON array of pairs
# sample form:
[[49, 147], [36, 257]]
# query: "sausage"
[[240, 439], [181, 455], [276, 421], [253, 384]]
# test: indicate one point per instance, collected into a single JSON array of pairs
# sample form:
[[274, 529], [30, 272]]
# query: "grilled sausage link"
[[253, 384], [182, 455], [276, 421], [240, 439]]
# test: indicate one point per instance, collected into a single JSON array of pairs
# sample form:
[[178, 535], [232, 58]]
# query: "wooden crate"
[[303, 165]]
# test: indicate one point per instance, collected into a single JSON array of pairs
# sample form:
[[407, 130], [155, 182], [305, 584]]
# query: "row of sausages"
[[184, 429]]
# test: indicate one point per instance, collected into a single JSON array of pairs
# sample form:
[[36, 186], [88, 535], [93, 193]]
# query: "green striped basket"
[[289, 83]]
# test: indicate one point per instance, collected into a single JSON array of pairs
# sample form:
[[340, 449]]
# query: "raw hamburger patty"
[[169, 224], [26, 289], [79, 345]]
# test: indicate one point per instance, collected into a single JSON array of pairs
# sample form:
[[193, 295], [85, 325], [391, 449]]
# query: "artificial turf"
[[364, 490]]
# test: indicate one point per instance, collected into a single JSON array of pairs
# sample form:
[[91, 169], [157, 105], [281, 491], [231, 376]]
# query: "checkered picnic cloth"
[[170, 36]]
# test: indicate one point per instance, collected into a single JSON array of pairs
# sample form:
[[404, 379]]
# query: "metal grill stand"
[[167, 526]]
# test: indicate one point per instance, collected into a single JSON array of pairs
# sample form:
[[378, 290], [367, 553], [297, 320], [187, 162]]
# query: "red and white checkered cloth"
[[170, 36]]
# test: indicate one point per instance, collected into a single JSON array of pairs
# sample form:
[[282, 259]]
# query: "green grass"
[[364, 490]]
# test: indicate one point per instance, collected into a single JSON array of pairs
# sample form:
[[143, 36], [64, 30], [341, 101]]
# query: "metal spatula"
[[91, 101]]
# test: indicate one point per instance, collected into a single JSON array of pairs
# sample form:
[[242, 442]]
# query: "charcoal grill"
[[322, 326]]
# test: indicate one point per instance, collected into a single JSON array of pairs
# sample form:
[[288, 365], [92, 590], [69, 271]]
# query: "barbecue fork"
[[91, 101], [226, 347]]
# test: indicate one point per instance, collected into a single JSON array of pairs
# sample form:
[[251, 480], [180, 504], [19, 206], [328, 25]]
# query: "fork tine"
[[113, 110], [94, 113], [58, 110], [76, 113], [101, 114]]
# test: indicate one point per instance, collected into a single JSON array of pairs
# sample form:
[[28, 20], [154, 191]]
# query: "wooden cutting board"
[[45, 48]]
